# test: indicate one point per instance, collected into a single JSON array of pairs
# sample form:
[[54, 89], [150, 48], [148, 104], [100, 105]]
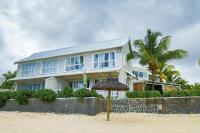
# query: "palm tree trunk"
[[161, 78], [153, 81]]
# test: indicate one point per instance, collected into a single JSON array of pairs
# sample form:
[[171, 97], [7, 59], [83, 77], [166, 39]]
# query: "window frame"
[[79, 82], [49, 60], [31, 86], [104, 61], [30, 72], [81, 65], [137, 74]]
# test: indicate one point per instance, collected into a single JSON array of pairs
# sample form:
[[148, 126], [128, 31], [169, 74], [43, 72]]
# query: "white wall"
[[88, 62], [54, 83]]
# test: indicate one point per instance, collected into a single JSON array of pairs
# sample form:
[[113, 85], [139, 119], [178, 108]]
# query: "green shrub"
[[85, 93], [66, 92], [3, 99], [195, 92], [143, 94], [172, 93], [22, 96], [45, 95], [10, 94], [81, 93], [178, 93], [93, 93]]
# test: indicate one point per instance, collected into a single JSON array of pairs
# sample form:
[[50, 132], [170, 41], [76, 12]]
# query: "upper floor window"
[[49, 66], [28, 69], [140, 74], [104, 60], [74, 63]]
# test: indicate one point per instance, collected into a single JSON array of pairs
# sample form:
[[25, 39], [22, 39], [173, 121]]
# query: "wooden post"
[[108, 108]]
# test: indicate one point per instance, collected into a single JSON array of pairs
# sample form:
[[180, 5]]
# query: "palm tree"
[[171, 75], [152, 52], [168, 73], [8, 84]]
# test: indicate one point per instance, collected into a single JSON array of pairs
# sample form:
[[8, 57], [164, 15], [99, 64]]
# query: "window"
[[104, 60], [74, 63], [49, 66], [114, 94], [135, 73], [96, 81], [76, 84], [27, 69], [145, 75], [32, 87], [140, 74]]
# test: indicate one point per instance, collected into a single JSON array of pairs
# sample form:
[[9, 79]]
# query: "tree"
[[151, 52], [8, 84], [171, 75], [168, 73]]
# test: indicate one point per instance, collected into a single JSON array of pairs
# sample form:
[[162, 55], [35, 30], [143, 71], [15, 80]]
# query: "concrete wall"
[[90, 106]]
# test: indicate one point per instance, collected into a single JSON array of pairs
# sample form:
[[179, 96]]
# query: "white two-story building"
[[56, 69]]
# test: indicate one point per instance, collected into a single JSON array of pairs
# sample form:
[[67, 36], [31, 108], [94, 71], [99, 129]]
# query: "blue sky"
[[38, 25]]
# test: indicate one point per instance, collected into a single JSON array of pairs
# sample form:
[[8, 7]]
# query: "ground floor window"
[[77, 84], [32, 87], [114, 94]]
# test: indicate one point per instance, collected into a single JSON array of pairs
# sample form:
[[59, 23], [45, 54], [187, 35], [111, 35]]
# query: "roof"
[[77, 49]]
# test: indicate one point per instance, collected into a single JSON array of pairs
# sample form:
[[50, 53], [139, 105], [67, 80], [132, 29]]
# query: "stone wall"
[[93, 106], [90, 106], [134, 105], [170, 105]]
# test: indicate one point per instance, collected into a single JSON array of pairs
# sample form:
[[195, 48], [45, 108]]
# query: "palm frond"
[[175, 54], [139, 43], [132, 55], [154, 38], [164, 44], [151, 40]]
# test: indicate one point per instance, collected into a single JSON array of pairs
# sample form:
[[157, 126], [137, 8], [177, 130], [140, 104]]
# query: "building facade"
[[69, 67]]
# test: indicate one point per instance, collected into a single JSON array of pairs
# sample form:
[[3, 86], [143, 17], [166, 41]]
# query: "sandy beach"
[[17, 122]]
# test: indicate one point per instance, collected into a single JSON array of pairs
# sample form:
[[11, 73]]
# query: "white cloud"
[[30, 26], [188, 39], [16, 44]]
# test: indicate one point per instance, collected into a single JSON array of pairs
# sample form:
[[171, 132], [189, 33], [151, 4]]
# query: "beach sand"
[[18, 122]]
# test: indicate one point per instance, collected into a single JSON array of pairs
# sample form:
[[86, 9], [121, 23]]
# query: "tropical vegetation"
[[154, 51], [8, 84], [173, 93], [168, 73], [46, 95]]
